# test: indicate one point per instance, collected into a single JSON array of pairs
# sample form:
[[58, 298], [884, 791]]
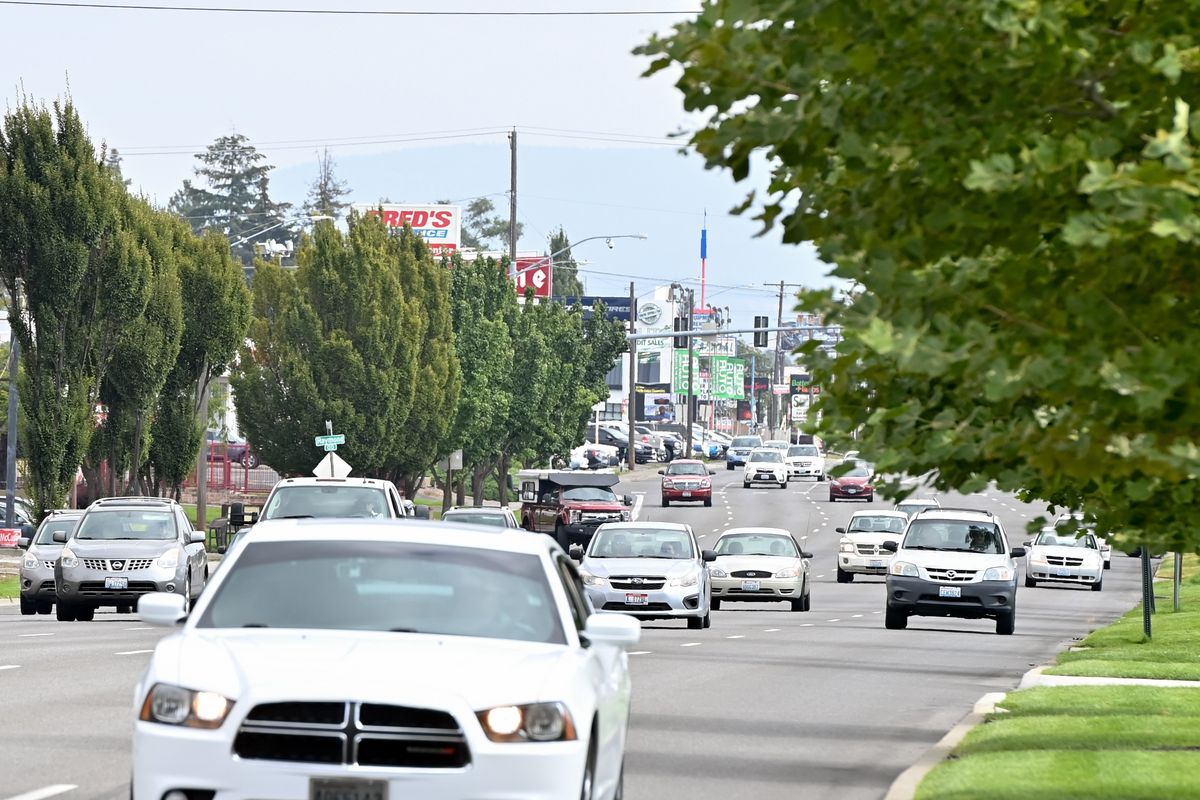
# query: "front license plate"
[[949, 591], [346, 789], [751, 586], [852, 490], [1064, 572], [637, 599], [687, 494], [876, 564], [116, 583], [766, 476]]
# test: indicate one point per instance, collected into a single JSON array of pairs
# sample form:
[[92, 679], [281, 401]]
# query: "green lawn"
[[9, 587], [1088, 701]]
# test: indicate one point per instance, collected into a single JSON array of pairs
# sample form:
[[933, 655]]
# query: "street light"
[[608, 239]]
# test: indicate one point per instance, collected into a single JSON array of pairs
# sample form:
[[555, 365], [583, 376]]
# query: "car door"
[[196, 555], [606, 669]]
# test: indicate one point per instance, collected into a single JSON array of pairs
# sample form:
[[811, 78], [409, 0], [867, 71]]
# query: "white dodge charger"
[[364, 660]]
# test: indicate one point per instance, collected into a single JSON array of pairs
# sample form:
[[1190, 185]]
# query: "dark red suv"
[[686, 480]]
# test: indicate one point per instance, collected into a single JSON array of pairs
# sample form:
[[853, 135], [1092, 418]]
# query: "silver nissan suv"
[[123, 548]]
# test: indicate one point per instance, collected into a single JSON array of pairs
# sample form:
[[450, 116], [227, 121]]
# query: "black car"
[[642, 452]]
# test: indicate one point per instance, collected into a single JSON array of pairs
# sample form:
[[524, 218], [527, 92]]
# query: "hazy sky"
[[159, 85]]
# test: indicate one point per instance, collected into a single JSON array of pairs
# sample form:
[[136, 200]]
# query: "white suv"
[[953, 562], [766, 465]]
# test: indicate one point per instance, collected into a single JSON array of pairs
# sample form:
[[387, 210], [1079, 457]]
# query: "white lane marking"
[[132, 652], [770, 630], [876, 612], [637, 492], [691, 644], [736, 636], [30, 635], [820, 576], [45, 791], [640, 652], [701, 536], [762, 492], [806, 624], [139, 629], [835, 619], [9, 666], [856, 616], [716, 530]]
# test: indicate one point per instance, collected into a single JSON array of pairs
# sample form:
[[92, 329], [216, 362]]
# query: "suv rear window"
[[747, 441]]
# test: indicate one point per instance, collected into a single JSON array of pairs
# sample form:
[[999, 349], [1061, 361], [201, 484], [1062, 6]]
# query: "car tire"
[[28, 607], [844, 577], [798, 605], [665, 502], [783, 484], [45, 606], [871, 498], [832, 499], [715, 604], [65, 612], [708, 620], [708, 502], [85, 613], [1098, 585], [249, 460], [806, 601], [1108, 565], [695, 623], [125, 609], [1030, 583], [587, 788], [821, 477], [1006, 623], [745, 484], [729, 466], [895, 619]]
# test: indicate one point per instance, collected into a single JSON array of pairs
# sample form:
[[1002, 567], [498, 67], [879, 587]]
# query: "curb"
[[905, 785], [1035, 677]]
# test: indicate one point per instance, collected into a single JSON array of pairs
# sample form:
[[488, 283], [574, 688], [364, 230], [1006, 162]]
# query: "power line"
[[191, 150], [348, 12], [319, 142]]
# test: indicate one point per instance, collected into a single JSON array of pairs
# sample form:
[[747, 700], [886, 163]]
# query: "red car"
[[854, 485], [687, 480]]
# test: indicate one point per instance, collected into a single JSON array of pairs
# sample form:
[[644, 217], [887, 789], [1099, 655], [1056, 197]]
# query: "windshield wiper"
[[403, 630], [256, 625], [922, 547], [294, 516]]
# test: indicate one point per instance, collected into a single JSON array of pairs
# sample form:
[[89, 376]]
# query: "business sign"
[[9, 537], [649, 313], [540, 277], [799, 406], [722, 378], [615, 307], [440, 226], [802, 385], [714, 345]]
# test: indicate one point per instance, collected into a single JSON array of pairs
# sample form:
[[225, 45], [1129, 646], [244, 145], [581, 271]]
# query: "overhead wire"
[[351, 12]]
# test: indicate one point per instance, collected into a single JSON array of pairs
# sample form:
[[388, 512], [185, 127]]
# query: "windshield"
[[326, 501], [1065, 540], [913, 506], [803, 450], [641, 543], [777, 445], [53, 526], [600, 494], [756, 544], [387, 586], [880, 523], [767, 456], [477, 518], [856, 472], [968, 537], [747, 441], [687, 469], [127, 524]]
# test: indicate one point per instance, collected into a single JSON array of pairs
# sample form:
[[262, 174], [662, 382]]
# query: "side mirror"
[[221, 549], [1028, 543], [60, 537], [805, 554], [422, 512], [27, 531], [23, 543], [709, 556], [890, 546], [575, 551], [614, 630], [197, 537], [840, 530], [1018, 552], [627, 499], [662, 472], [712, 472], [161, 608]]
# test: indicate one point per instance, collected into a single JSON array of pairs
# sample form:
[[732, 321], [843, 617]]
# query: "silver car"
[[123, 548], [37, 565], [652, 570], [491, 516]]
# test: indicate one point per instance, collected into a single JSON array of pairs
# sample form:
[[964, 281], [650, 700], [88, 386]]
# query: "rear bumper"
[[921, 597]]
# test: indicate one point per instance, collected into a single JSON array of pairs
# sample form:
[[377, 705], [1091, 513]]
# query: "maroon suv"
[[686, 480]]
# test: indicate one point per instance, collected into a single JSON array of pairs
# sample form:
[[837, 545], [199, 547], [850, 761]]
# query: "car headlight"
[[627, 515], [29, 561], [691, 579], [68, 558], [835, 482], [668, 484], [534, 722], [169, 559], [788, 573], [904, 568], [717, 572], [1038, 559], [592, 580], [998, 574], [706, 484], [846, 547], [174, 705]]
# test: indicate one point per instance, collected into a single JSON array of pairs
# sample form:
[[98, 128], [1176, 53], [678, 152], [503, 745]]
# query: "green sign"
[[331, 442], [726, 376]]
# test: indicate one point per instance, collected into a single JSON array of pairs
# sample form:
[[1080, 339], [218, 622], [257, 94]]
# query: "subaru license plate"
[[346, 789], [116, 583], [766, 476], [751, 586], [637, 599], [949, 591], [1064, 572]]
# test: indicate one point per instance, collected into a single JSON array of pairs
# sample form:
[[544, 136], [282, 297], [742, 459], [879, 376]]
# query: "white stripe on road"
[[820, 576], [30, 635], [45, 791], [139, 629], [856, 616], [132, 652], [9, 666], [691, 644], [639, 652], [806, 624], [876, 612], [770, 630], [736, 636], [836, 619]]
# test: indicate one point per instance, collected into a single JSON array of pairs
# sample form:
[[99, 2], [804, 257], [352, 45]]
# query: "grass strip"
[[1086, 701], [10, 587], [1114, 732]]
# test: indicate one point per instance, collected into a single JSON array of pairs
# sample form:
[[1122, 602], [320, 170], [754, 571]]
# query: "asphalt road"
[[767, 703]]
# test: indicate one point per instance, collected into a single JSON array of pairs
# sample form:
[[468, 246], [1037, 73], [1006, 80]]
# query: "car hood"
[[872, 537], [1061, 551], [384, 667], [851, 481], [952, 560], [767, 563], [660, 567], [592, 505], [45, 552], [120, 548], [765, 466]]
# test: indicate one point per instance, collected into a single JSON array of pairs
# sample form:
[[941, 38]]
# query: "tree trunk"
[[479, 477], [136, 486], [502, 478], [461, 488]]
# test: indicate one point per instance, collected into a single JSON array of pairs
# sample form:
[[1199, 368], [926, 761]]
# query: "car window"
[[687, 469], [52, 526], [756, 544], [747, 441], [326, 501], [803, 450], [111, 524], [877, 523], [767, 457], [857, 472], [497, 520], [576, 596], [387, 586], [641, 543], [597, 493], [184, 524], [953, 535], [1066, 540]]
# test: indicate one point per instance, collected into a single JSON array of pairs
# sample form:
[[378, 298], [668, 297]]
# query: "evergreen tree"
[[566, 270], [483, 229], [326, 191], [113, 161]]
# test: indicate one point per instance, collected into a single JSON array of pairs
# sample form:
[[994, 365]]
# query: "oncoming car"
[[41, 554], [686, 480], [910, 506], [739, 449], [1058, 557], [860, 550], [765, 465], [491, 516], [855, 484], [805, 460], [379, 659], [760, 564]]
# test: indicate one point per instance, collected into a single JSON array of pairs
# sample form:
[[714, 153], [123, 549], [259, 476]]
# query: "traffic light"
[[680, 325], [760, 336]]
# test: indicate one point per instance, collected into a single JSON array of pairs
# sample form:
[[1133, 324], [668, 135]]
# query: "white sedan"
[[1060, 557], [760, 564], [367, 660]]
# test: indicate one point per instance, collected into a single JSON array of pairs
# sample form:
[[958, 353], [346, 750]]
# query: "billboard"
[[536, 272], [440, 226], [617, 307], [802, 385], [721, 378], [653, 403]]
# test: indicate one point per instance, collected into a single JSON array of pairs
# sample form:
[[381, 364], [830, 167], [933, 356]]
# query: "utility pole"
[[512, 202], [691, 392], [631, 413], [202, 463], [14, 355], [775, 414]]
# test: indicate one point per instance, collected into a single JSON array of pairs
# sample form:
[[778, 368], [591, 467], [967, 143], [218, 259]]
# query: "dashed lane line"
[[835, 619], [770, 630], [640, 652], [140, 629], [855, 616], [691, 644], [45, 792], [736, 636], [132, 652], [807, 624], [9, 666], [31, 635], [876, 612]]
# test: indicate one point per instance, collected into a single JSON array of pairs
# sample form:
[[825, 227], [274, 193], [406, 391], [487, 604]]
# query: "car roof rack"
[[166, 501], [983, 511]]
